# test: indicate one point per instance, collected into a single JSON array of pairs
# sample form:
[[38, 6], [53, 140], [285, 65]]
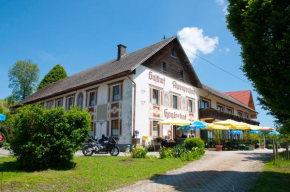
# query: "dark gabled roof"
[[109, 70], [225, 96]]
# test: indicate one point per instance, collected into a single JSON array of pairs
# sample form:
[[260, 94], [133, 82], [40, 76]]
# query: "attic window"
[[173, 53], [181, 75], [164, 67]]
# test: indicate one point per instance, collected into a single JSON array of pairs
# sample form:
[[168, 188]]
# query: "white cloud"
[[193, 41], [225, 10], [220, 2], [227, 50]]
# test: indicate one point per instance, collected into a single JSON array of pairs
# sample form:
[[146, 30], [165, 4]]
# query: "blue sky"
[[81, 34]]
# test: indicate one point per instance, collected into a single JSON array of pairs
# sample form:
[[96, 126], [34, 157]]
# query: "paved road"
[[215, 172]]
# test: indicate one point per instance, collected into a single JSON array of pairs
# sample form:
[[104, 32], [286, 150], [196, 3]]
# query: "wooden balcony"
[[215, 114]]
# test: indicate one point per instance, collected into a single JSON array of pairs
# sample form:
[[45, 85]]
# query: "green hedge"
[[48, 138], [195, 144]]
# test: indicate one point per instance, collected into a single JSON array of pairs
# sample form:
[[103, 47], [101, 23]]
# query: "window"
[[155, 130], [49, 104], [70, 103], [116, 93], [240, 114], [173, 53], [230, 111], [92, 99], [181, 75], [204, 104], [174, 102], [155, 97], [92, 126], [164, 67], [59, 103], [80, 100], [220, 108], [115, 127], [190, 108], [246, 115]]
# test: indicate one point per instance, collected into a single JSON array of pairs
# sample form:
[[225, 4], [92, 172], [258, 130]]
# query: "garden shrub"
[[190, 156], [48, 138], [165, 152], [178, 150], [195, 144], [139, 152]]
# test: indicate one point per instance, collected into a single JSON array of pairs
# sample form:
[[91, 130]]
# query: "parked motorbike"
[[104, 145]]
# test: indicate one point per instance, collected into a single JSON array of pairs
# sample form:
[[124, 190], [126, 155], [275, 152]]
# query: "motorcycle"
[[104, 145]]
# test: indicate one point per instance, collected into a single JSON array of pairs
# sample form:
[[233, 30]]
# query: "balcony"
[[215, 114]]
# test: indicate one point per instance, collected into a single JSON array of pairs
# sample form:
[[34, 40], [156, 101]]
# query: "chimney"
[[121, 51]]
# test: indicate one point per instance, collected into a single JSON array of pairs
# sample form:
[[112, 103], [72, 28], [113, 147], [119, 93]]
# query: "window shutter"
[[151, 127], [120, 128], [161, 98], [87, 95], [108, 127], [121, 92], [109, 94], [150, 96]]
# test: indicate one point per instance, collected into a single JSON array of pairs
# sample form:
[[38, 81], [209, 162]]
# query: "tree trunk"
[[274, 151], [287, 151]]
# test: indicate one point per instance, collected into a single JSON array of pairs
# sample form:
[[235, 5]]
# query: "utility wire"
[[219, 67]]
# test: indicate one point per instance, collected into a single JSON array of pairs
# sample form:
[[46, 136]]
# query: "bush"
[[48, 138], [139, 152], [178, 150], [195, 144], [165, 152], [190, 156]]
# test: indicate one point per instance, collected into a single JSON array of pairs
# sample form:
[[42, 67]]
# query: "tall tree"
[[262, 28], [55, 74], [23, 77]]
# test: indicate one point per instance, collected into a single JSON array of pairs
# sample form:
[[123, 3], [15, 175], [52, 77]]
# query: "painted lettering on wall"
[[183, 88], [171, 115], [156, 78]]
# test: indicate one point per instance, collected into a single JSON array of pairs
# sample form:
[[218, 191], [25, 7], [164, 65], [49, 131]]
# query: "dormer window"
[[181, 75], [173, 53], [164, 67]]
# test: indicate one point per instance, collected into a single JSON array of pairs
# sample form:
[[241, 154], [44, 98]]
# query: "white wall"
[[143, 106]]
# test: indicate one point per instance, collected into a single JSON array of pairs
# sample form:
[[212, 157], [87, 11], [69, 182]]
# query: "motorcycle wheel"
[[115, 151], [87, 151]]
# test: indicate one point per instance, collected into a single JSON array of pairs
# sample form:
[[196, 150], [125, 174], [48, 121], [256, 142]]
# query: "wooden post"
[[274, 151], [287, 150]]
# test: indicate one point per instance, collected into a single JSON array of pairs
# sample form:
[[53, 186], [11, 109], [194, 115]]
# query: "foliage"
[[190, 155], [255, 138], [193, 143], [55, 74], [139, 152], [165, 152], [262, 28], [6, 129], [178, 150], [217, 136], [23, 77], [48, 138], [104, 173]]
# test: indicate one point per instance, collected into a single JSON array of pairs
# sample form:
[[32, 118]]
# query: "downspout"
[[134, 109]]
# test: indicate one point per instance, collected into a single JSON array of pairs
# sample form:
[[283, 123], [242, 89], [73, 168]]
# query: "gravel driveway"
[[216, 171]]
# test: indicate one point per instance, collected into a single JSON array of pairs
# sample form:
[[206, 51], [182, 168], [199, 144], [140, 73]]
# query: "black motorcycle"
[[104, 145]]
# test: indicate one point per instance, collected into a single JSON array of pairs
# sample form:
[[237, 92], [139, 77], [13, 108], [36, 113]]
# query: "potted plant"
[[217, 140]]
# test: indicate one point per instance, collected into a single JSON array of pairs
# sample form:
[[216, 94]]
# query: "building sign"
[[183, 88], [172, 115], [156, 78]]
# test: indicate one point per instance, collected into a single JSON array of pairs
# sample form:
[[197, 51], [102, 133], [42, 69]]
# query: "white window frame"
[[158, 97], [112, 94], [192, 110], [89, 98], [177, 102]]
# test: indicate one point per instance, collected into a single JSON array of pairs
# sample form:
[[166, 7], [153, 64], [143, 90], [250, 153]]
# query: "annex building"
[[134, 91]]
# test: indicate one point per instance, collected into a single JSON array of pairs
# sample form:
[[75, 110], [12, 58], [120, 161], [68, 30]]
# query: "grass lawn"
[[90, 174], [276, 177]]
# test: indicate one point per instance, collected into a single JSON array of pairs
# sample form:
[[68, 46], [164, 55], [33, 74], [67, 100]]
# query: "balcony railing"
[[215, 114]]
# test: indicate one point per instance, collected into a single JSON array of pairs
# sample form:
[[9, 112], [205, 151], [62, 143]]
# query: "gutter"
[[134, 109]]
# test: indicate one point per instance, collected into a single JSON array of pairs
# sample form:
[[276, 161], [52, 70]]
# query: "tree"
[[262, 28], [55, 74], [23, 77]]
